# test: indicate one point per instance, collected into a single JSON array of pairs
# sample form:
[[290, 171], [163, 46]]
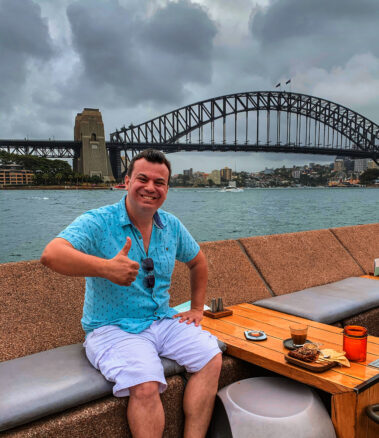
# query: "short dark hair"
[[153, 156]]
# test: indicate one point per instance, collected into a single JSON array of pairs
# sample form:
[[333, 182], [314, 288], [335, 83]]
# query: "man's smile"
[[149, 197]]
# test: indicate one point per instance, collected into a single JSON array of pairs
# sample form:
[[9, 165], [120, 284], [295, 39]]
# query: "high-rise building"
[[226, 173], [188, 172], [215, 176], [339, 165], [360, 165]]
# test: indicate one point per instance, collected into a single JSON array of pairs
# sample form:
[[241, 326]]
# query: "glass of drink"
[[298, 334], [355, 342]]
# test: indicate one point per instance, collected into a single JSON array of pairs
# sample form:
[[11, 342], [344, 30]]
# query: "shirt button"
[[155, 313]]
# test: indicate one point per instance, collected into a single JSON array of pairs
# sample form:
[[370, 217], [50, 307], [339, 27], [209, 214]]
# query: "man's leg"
[[199, 398], [145, 411]]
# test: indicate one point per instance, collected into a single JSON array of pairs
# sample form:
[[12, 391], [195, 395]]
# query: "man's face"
[[148, 185]]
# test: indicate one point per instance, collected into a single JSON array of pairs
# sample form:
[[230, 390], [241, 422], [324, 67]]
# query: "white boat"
[[232, 187]]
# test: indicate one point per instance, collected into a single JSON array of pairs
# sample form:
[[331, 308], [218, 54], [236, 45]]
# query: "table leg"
[[349, 413], [343, 414]]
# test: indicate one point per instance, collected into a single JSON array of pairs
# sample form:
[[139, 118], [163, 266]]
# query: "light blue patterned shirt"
[[102, 233]]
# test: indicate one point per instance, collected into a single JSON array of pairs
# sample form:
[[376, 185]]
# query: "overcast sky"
[[137, 59]]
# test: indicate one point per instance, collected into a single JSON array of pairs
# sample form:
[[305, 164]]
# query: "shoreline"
[[56, 188], [371, 186]]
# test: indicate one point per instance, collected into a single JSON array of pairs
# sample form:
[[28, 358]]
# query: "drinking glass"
[[298, 334], [355, 342]]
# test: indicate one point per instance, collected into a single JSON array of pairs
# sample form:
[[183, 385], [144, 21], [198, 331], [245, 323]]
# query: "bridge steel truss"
[[43, 148], [312, 125]]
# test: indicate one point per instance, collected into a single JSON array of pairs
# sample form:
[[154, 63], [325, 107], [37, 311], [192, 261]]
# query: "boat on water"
[[119, 187], [232, 187]]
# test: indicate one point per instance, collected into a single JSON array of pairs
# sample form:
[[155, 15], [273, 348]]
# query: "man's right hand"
[[121, 269]]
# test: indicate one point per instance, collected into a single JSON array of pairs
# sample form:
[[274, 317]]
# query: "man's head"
[[147, 183], [153, 156]]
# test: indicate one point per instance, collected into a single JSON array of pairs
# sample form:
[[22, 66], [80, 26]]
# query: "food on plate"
[[307, 353]]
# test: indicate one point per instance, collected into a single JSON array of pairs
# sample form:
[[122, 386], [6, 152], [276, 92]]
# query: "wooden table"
[[351, 389]]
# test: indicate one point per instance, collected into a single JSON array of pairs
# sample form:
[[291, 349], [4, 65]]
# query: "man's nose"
[[149, 185]]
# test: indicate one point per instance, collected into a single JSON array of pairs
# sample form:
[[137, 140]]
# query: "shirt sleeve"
[[187, 247], [83, 233]]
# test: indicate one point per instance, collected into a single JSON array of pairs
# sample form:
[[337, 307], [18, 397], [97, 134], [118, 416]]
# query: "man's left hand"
[[192, 315]]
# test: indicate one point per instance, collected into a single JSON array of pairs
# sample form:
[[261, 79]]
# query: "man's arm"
[[199, 278], [60, 256]]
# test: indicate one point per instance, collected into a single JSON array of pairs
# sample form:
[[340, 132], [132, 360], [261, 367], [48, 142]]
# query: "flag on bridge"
[[288, 82], [277, 85]]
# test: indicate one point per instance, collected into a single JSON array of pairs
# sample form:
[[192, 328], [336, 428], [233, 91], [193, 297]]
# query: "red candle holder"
[[355, 342]]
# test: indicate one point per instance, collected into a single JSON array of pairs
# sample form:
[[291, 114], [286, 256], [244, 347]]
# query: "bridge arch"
[[336, 129]]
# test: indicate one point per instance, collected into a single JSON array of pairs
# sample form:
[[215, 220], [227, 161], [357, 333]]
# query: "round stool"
[[269, 407]]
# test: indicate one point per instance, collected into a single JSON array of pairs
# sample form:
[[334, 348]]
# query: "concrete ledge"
[[231, 276], [296, 261], [362, 242]]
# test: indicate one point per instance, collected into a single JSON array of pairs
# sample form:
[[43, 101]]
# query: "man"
[[127, 253]]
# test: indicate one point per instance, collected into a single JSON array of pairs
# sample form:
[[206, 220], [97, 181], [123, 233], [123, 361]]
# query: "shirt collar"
[[125, 220]]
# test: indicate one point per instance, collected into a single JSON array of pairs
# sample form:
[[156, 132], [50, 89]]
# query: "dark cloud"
[[181, 29], [131, 58], [24, 37], [293, 34]]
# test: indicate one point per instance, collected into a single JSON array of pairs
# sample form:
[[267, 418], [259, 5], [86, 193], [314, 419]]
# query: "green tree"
[[59, 177], [368, 176], [45, 178]]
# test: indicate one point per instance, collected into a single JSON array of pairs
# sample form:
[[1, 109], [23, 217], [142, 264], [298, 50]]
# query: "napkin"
[[334, 356]]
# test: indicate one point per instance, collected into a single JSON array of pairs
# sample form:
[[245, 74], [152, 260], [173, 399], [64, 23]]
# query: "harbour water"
[[29, 219]]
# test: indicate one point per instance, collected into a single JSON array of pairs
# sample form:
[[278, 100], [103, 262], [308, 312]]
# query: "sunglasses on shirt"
[[148, 266]]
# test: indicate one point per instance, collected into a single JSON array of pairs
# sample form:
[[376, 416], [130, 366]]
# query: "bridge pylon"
[[93, 159]]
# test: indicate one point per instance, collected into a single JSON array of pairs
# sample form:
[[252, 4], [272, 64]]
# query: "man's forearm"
[[199, 280], [60, 256]]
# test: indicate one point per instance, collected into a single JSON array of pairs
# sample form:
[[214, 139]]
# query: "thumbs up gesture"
[[121, 269]]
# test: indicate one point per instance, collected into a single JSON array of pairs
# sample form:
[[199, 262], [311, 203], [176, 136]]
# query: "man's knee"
[[213, 367], [145, 391]]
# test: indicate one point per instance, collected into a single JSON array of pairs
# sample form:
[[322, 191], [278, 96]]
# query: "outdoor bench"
[[328, 303], [40, 313]]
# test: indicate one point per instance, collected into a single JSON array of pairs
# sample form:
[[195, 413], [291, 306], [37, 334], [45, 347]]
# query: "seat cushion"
[[51, 381], [328, 303]]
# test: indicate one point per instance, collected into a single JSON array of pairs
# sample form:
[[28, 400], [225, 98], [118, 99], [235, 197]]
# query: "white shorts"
[[129, 359]]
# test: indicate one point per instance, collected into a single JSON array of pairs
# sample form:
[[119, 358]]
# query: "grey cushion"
[[328, 303], [45, 383]]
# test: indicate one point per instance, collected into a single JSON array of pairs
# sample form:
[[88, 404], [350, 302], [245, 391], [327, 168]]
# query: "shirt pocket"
[[164, 261]]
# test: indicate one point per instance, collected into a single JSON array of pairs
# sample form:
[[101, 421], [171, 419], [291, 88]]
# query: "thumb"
[[127, 246]]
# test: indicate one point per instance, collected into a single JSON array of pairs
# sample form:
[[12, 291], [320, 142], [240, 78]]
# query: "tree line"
[[47, 171]]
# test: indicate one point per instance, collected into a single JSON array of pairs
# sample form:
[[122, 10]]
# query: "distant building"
[[372, 165], [339, 165], [296, 174], [349, 164], [226, 173], [268, 171], [13, 174], [215, 176], [188, 172], [361, 164]]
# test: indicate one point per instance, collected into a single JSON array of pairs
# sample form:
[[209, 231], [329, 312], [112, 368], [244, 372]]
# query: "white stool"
[[270, 407]]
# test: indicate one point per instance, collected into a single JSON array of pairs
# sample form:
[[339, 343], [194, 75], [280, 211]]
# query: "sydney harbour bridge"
[[260, 121]]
